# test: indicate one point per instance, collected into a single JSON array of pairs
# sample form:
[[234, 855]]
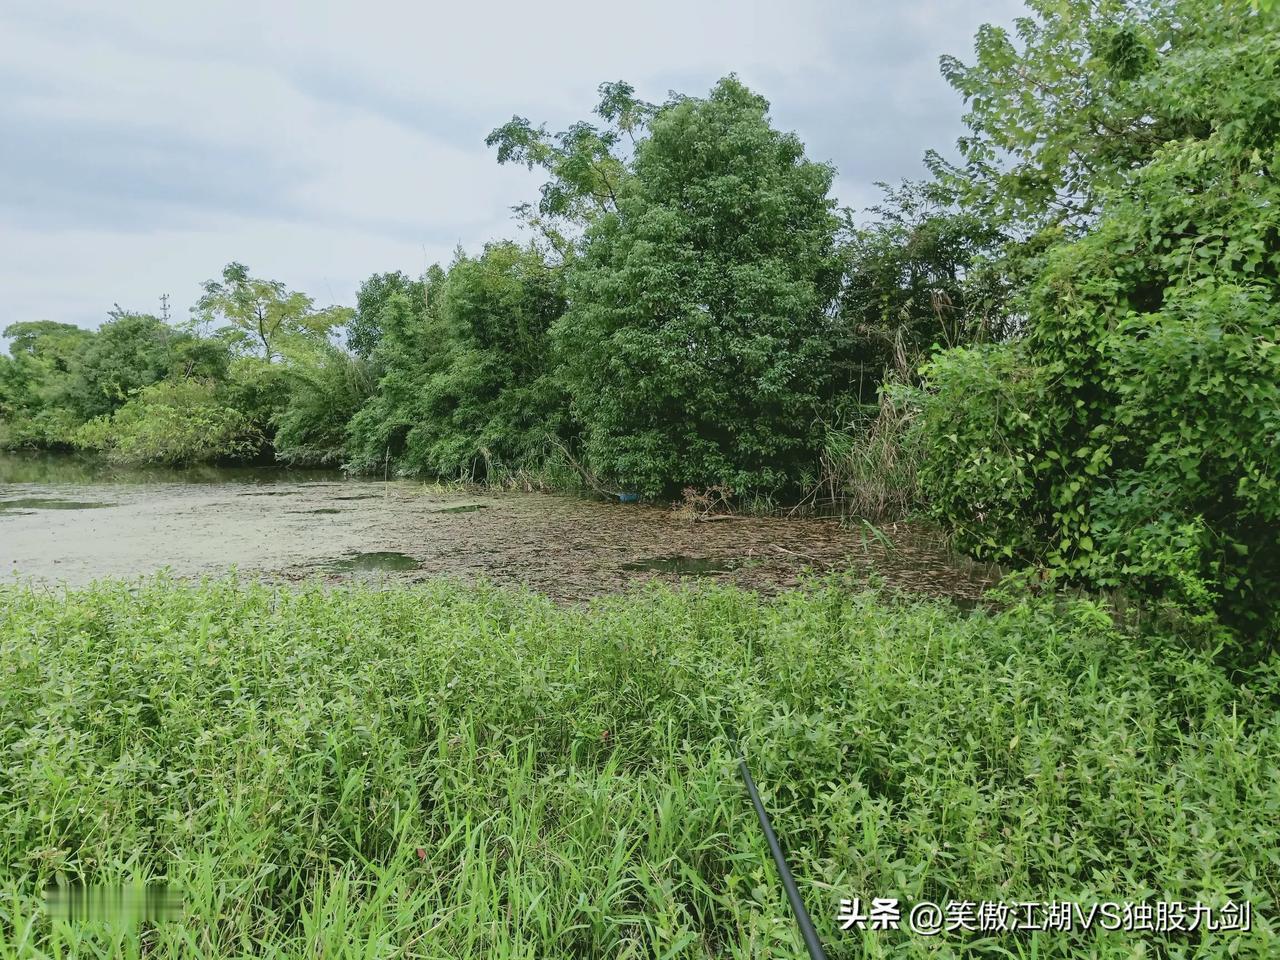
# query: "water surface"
[[82, 520]]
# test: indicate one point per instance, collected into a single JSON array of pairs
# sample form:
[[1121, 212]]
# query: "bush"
[[1134, 439], [50, 428], [324, 395], [984, 419], [174, 422]]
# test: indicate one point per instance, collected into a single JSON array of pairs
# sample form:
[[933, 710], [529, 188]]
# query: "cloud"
[[149, 143]]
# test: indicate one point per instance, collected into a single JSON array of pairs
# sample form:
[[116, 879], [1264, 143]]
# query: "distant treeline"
[[1063, 345]]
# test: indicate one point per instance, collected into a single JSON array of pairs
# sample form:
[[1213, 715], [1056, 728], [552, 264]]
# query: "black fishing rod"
[[810, 935]]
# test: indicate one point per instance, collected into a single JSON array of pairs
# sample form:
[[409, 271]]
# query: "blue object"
[[628, 498]]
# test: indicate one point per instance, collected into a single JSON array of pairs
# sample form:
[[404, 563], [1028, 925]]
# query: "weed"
[[451, 771]]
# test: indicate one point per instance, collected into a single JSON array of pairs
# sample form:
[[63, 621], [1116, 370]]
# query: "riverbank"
[[464, 772]]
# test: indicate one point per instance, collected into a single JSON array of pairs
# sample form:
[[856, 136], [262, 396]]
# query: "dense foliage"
[[1065, 348], [173, 422], [143, 390], [57, 375], [920, 276], [1133, 437], [696, 347], [449, 772], [465, 363]]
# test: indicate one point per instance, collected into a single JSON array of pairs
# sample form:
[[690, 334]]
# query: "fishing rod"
[[807, 932]]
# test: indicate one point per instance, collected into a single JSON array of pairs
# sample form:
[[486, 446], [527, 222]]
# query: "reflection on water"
[[373, 561], [27, 504], [684, 566], [79, 468]]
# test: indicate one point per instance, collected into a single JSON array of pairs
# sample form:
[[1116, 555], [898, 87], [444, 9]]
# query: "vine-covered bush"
[[1134, 438], [982, 421]]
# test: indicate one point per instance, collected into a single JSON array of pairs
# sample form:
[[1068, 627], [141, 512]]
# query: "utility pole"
[[164, 307]]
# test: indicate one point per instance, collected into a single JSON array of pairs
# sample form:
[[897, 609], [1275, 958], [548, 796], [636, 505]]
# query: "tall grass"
[[465, 772], [868, 467]]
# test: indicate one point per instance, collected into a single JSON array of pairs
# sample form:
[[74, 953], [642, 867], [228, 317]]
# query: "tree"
[[41, 386], [265, 313], [489, 402], [412, 343], [916, 277], [696, 343], [130, 351], [1082, 98], [587, 163], [364, 329], [173, 422]]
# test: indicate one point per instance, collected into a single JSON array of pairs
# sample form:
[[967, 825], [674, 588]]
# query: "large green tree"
[[411, 344], [696, 344], [40, 384], [365, 327], [130, 351], [464, 362]]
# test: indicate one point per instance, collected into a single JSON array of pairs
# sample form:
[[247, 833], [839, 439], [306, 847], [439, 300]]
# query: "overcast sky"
[[146, 144]]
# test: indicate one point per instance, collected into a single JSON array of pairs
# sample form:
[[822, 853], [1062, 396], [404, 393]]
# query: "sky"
[[146, 144]]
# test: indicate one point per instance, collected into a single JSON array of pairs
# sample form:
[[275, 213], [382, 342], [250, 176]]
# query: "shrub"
[[174, 421], [1136, 439], [324, 394], [982, 420]]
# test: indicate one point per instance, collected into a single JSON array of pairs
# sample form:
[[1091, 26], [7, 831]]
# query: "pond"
[[67, 519]]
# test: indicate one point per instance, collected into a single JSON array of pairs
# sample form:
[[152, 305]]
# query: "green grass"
[[281, 758]]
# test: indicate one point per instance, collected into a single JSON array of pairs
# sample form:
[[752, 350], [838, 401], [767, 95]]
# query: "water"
[[61, 469], [29, 504], [73, 520], [685, 566], [374, 561]]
